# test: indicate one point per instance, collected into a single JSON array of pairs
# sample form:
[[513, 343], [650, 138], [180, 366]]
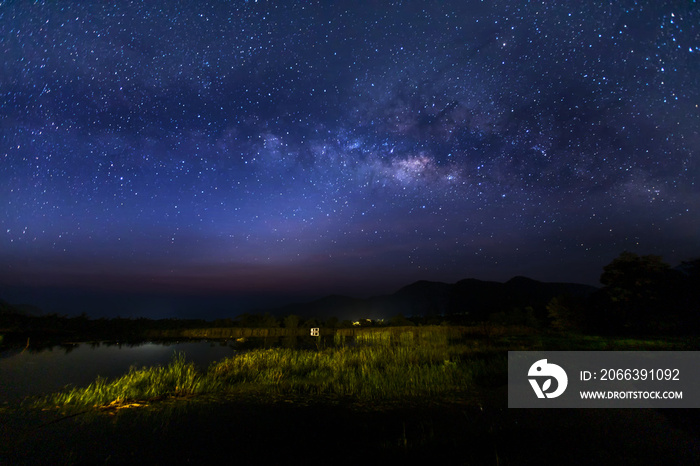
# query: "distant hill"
[[333, 305], [472, 298], [7, 308], [18, 309]]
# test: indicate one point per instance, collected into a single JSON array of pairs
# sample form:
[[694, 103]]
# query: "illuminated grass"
[[379, 366], [366, 372], [179, 378]]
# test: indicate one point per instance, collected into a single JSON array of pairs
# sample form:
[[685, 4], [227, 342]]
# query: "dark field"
[[317, 412]]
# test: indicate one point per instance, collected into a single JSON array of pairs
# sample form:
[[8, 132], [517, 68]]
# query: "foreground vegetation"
[[412, 393], [375, 365], [379, 365]]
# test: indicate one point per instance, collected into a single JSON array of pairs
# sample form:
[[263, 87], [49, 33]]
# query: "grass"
[[379, 366], [432, 364], [368, 372], [178, 379]]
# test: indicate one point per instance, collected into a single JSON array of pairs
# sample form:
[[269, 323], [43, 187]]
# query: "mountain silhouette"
[[474, 299]]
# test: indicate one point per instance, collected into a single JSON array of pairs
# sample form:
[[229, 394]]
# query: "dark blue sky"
[[252, 150]]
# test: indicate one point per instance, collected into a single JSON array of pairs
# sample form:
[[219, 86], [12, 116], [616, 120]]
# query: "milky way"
[[248, 148]]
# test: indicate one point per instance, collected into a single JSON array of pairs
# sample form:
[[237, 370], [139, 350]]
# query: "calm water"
[[27, 373], [24, 373]]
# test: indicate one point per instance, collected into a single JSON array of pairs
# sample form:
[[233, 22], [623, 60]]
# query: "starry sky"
[[254, 151]]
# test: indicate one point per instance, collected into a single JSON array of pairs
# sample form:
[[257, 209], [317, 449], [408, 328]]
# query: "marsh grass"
[[379, 370], [177, 379], [380, 365]]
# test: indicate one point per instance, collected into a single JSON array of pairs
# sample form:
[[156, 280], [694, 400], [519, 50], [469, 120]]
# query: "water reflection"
[[38, 370]]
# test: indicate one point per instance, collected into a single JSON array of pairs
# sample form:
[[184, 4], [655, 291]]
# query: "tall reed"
[[179, 378], [380, 365]]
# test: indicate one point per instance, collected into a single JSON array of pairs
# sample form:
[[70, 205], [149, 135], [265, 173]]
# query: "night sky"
[[193, 158]]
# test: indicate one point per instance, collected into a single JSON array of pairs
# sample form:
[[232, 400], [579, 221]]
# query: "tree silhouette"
[[689, 305], [311, 323], [400, 321], [637, 289], [566, 312], [331, 322], [630, 277], [266, 320], [291, 321]]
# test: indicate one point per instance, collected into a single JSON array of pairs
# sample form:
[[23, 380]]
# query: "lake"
[[30, 372], [27, 373]]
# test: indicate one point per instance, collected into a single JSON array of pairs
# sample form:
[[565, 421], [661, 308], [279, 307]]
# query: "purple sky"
[[243, 151]]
